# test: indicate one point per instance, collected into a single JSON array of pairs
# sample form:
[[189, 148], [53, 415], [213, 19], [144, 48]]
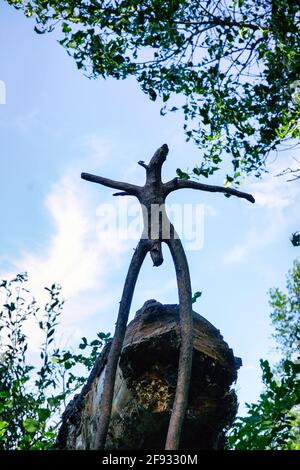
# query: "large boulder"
[[146, 383]]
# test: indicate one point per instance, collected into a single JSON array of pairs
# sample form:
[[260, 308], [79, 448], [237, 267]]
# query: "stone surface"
[[146, 383]]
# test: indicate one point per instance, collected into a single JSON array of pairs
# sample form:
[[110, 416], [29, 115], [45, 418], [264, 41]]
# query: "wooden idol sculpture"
[[157, 229]]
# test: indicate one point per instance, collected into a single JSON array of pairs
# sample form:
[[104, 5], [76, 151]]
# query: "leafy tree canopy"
[[274, 421], [34, 390], [235, 63], [285, 314]]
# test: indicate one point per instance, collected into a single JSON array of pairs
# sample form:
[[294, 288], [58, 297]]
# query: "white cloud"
[[235, 254], [276, 211], [262, 232], [99, 150], [75, 255], [24, 122], [274, 191]]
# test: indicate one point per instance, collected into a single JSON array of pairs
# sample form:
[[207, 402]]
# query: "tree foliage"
[[295, 239], [34, 392], [273, 422], [285, 313], [234, 63]]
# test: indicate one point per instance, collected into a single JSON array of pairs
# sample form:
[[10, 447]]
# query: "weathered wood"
[[117, 343], [157, 229], [146, 385]]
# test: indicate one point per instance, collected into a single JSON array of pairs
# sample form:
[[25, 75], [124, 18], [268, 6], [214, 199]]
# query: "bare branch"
[[123, 193], [154, 166], [227, 21], [159, 157], [186, 346], [176, 183], [143, 164], [219, 22], [131, 189], [117, 342], [291, 171]]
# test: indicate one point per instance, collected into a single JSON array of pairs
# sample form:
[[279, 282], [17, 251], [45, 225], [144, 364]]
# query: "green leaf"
[[295, 239], [44, 413], [11, 307], [3, 425], [152, 93], [238, 77], [182, 175], [31, 425], [196, 296], [65, 28], [3, 430], [55, 359]]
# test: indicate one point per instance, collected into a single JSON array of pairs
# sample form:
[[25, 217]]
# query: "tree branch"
[[176, 183], [186, 346], [153, 170], [131, 189], [122, 193], [117, 342], [227, 21], [143, 164], [159, 157], [219, 22]]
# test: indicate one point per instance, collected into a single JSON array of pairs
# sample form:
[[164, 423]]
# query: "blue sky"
[[57, 123]]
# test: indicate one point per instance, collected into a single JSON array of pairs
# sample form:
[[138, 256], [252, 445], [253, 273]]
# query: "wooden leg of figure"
[[117, 343], [186, 347]]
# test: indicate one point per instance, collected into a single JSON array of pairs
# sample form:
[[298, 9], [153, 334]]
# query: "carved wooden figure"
[[157, 229]]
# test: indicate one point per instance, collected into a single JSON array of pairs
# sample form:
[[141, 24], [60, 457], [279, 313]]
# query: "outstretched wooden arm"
[[127, 188], [177, 183]]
